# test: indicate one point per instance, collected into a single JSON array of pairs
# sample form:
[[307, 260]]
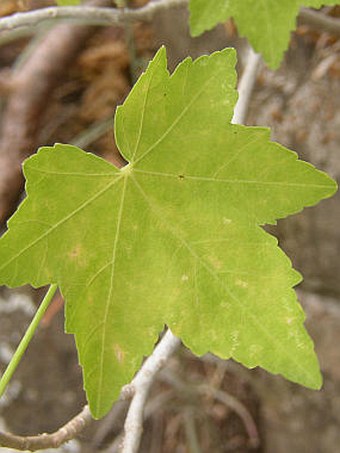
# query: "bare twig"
[[246, 85], [53, 440], [319, 21], [109, 16], [85, 15], [140, 387]]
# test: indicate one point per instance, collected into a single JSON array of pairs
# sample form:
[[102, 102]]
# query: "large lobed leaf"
[[267, 23], [174, 237]]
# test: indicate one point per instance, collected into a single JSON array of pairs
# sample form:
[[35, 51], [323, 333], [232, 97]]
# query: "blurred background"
[[62, 83]]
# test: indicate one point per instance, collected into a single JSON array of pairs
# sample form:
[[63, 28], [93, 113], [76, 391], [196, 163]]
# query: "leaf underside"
[[174, 237], [267, 23]]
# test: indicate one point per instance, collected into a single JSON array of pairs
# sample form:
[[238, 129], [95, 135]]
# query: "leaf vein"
[[61, 222], [244, 309], [109, 297], [232, 181], [178, 118]]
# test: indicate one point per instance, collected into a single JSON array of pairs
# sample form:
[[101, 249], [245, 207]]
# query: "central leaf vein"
[[109, 297], [231, 181]]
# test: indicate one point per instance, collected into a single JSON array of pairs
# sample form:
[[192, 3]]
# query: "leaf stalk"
[[25, 341]]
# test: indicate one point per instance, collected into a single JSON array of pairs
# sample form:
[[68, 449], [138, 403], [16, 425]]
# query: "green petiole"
[[13, 364]]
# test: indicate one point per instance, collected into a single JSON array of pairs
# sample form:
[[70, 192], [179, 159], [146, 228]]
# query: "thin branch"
[[89, 15], [246, 85], [10, 25], [140, 387], [319, 21], [53, 440]]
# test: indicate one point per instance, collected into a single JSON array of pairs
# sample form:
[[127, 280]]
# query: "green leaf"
[[172, 238], [68, 2], [267, 23]]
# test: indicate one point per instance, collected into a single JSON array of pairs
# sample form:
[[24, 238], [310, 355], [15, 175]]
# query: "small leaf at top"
[[267, 23], [172, 238]]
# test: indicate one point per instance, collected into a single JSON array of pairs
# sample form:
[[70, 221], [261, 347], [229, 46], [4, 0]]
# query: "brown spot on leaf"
[[119, 353], [75, 252], [217, 263]]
